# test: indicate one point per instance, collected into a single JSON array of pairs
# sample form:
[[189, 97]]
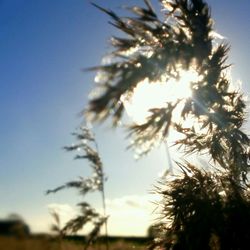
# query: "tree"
[[14, 225], [86, 148], [202, 209]]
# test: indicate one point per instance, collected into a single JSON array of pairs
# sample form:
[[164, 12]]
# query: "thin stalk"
[[105, 215], [103, 202], [170, 168]]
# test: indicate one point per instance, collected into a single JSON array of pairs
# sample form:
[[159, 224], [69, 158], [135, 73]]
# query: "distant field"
[[10, 243]]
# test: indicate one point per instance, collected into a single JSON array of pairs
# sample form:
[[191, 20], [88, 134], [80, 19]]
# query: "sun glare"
[[156, 94]]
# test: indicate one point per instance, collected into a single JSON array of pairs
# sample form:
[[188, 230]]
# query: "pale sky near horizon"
[[44, 45]]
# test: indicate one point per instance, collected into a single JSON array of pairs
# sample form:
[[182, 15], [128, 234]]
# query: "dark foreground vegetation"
[[47, 242]]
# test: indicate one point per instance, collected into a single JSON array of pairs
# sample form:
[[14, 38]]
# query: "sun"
[[148, 95]]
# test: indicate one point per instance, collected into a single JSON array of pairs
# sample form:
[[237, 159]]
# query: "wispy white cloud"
[[131, 215], [62, 209], [130, 201]]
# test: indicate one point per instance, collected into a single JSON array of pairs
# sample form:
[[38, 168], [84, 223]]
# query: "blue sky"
[[44, 44]]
